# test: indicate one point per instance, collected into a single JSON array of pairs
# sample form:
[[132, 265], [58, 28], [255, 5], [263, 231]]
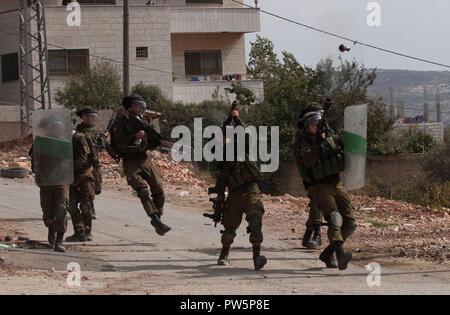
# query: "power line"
[[96, 56], [345, 38]]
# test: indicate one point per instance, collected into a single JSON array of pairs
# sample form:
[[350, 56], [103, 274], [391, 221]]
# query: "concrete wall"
[[401, 167], [231, 45], [101, 32], [196, 92], [9, 91], [436, 130]]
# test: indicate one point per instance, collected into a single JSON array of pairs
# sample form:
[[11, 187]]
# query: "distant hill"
[[409, 86]]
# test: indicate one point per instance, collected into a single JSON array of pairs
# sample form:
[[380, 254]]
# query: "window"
[[10, 67], [203, 62], [65, 61], [205, 1], [141, 52]]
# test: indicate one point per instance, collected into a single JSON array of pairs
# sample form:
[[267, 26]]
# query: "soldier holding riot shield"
[[52, 163], [321, 161]]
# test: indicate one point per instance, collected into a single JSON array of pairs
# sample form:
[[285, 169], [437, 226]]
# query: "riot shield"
[[355, 145], [52, 147]]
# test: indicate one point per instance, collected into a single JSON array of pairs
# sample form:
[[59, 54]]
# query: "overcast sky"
[[415, 27]]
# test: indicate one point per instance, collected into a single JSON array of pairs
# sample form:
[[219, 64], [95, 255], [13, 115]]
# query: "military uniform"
[[54, 199], [139, 169], [244, 197], [82, 191], [322, 160]]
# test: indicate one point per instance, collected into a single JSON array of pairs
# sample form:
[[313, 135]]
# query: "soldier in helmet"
[[88, 125], [244, 196], [321, 162], [312, 239], [82, 191], [129, 139], [49, 154]]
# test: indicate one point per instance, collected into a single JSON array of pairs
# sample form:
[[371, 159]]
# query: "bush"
[[98, 87], [423, 192], [417, 141], [437, 164]]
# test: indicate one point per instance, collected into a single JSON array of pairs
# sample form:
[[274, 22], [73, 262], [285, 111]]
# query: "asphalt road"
[[127, 256]]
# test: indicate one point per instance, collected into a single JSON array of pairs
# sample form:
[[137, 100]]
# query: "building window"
[[205, 1], [141, 52], [203, 62], [66, 61], [10, 67]]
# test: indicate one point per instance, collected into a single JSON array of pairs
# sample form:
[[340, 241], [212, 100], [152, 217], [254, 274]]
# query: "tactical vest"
[[330, 162], [240, 174]]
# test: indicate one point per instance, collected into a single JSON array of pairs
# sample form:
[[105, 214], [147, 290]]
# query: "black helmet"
[[133, 98], [87, 110], [311, 114]]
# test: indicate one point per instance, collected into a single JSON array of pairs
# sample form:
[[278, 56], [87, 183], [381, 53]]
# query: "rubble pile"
[[15, 153]]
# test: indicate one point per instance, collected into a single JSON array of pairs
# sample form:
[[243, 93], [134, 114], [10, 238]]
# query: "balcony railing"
[[198, 91], [214, 20]]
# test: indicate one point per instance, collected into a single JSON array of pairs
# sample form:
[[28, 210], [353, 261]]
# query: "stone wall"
[[436, 130]]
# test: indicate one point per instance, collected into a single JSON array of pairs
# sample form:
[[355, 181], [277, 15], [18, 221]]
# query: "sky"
[[414, 27]]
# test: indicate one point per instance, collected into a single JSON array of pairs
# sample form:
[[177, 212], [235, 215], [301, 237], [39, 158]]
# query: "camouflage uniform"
[[82, 191], [54, 201], [138, 167], [244, 196], [322, 161]]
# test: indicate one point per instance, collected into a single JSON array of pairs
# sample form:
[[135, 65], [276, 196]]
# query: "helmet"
[[312, 114], [134, 99], [88, 111]]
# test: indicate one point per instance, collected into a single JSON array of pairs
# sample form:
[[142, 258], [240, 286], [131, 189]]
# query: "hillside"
[[409, 86]]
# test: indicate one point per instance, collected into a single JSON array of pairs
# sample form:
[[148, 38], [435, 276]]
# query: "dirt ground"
[[397, 233]]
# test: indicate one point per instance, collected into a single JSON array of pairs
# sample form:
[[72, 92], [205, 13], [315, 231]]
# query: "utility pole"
[[438, 105], [126, 49], [33, 61], [391, 103], [425, 105]]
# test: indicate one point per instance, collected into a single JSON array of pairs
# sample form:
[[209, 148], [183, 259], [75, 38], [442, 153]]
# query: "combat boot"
[[315, 241], [77, 237], [89, 237], [307, 237], [223, 258], [258, 260], [342, 256], [317, 237], [59, 243], [160, 227], [327, 257], [51, 237]]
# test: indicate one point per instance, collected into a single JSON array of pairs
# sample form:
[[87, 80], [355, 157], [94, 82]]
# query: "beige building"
[[189, 48]]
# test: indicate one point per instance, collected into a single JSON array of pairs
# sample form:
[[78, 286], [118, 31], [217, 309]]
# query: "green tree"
[[98, 87]]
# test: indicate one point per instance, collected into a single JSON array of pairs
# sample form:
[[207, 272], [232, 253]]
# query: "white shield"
[[355, 145]]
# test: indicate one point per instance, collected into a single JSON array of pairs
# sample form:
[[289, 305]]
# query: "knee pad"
[[348, 228], [335, 220], [143, 194], [60, 212], [228, 237], [86, 207], [255, 228], [159, 200]]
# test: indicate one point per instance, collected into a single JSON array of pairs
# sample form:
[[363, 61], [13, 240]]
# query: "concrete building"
[[186, 47]]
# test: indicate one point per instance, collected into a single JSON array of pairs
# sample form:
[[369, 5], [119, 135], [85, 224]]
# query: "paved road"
[[128, 257]]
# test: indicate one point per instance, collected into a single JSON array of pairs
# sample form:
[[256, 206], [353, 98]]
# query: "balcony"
[[196, 92], [214, 20]]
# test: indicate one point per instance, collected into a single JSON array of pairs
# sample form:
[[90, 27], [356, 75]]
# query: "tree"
[[98, 87]]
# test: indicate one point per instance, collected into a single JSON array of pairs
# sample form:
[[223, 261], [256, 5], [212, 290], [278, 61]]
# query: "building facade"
[[189, 48]]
